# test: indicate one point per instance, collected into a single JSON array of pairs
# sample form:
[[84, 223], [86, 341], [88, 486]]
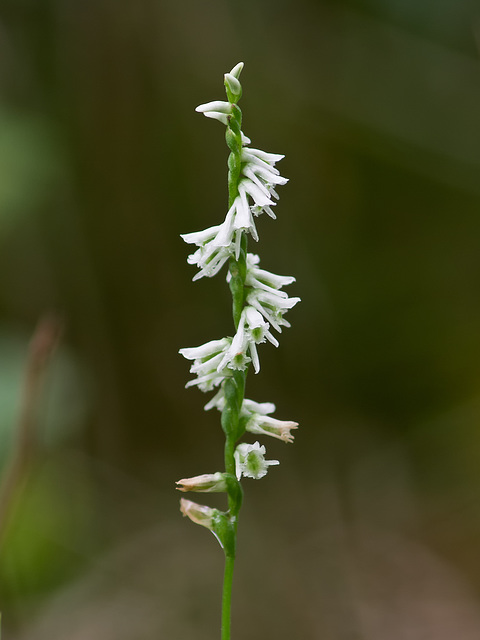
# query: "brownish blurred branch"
[[41, 349]]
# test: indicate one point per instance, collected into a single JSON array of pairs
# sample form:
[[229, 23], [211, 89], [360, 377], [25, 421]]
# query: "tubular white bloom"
[[259, 181], [209, 260], [243, 218], [264, 408], [200, 238], [260, 199], [215, 246], [217, 109], [256, 324], [259, 167], [272, 307], [257, 209], [252, 330], [262, 279], [218, 243], [226, 230], [267, 174], [235, 357], [265, 425], [216, 105], [269, 158], [257, 417], [265, 294], [205, 351], [258, 329], [206, 359], [250, 461]]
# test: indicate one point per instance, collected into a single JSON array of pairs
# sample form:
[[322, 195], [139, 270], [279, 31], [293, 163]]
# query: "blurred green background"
[[370, 527]]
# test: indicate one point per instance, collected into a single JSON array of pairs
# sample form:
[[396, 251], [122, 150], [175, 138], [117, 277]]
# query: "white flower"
[[218, 109], [265, 294], [250, 461], [243, 213], [252, 330], [218, 243], [262, 279], [258, 331], [263, 164], [200, 238], [209, 261], [214, 246], [258, 167], [217, 105], [250, 406], [257, 417], [272, 307], [218, 401], [206, 359], [257, 327], [259, 196], [235, 357], [205, 351], [206, 483], [262, 424]]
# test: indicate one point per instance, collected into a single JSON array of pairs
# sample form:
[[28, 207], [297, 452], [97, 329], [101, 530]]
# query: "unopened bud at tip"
[[233, 84], [237, 70]]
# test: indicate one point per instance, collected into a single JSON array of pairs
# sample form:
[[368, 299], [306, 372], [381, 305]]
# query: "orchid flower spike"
[[259, 304]]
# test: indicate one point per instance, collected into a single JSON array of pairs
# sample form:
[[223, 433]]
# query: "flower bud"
[[207, 483], [199, 513], [234, 142], [219, 523], [237, 70], [233, 87]]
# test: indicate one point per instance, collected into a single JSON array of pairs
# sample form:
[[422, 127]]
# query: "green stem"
[[229, 459], [234, 401], [227, 597]]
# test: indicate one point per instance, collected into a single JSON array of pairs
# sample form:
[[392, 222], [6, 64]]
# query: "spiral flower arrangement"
[[259, 307]]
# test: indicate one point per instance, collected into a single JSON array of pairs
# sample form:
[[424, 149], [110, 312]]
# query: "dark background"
[[370, 527]]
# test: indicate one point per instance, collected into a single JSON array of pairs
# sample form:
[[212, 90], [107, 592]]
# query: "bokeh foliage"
[[103, 162]]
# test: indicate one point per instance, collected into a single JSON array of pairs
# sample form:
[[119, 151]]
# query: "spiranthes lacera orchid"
[[259, 306]]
